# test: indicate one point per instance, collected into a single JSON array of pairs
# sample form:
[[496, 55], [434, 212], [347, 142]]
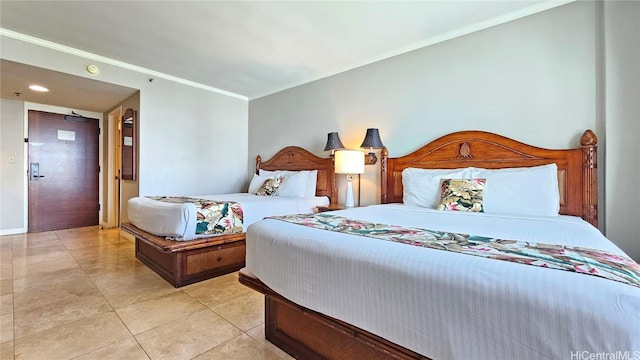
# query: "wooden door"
[[63, 171]]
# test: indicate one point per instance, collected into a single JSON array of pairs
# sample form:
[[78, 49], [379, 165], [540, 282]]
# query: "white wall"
[[192, 141], [538, 79], [531, 79], [622, 164], [11, 172], [197, 145]]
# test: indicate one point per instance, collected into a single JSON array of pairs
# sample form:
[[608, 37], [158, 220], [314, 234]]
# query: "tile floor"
[[81, 294]]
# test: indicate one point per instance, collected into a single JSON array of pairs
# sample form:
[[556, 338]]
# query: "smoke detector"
[[93, 69]]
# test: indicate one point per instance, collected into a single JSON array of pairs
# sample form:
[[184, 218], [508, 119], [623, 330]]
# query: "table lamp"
[[349, 162], [333, 142], [372, 141]]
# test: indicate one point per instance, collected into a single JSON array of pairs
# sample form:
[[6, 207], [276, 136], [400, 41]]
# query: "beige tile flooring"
[[81, 294]]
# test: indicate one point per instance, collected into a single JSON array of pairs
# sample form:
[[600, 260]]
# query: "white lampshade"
[[349, 162]]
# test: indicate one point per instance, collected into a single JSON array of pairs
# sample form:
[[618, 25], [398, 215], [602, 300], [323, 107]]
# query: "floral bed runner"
[[214, 217], [576, 259]]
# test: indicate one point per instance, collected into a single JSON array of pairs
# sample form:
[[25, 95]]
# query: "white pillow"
[[257, 181], [421, 187], [312, 179], [521, 191], [293, 185], [310, 183]]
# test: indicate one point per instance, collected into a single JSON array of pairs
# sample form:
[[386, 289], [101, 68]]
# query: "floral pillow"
[[461, 195], [269, 187]]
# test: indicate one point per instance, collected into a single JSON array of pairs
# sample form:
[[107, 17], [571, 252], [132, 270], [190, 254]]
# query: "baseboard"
[[13, 231], [105, 225]]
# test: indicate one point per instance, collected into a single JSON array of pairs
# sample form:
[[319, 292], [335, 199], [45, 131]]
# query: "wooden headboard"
[[296, 159], [577, 168]]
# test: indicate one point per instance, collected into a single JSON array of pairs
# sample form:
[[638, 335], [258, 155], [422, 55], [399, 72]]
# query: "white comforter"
[[446, 305], [178, 221]]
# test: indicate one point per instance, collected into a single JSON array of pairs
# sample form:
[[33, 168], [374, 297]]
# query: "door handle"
[[34, 171]]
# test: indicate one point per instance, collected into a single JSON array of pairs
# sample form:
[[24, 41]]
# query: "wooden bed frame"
[[306, 334], [577, 168], [186, 262]]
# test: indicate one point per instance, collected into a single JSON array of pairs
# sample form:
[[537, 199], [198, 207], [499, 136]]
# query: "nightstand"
[[320, 209]]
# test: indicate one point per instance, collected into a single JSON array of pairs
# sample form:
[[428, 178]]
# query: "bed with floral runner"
[[213, 217], [460, 272], [186, 239], [578, 259]]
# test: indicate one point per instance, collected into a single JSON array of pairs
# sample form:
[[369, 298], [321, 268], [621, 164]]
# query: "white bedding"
[[446, 305], [178, 221]]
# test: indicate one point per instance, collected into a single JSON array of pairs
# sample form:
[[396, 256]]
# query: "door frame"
[[113, 196], [67, 111]]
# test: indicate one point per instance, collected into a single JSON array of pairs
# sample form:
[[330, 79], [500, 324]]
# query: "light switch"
[[12, 160]]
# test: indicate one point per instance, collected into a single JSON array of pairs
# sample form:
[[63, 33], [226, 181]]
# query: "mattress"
[[178, 221], [446, 305]]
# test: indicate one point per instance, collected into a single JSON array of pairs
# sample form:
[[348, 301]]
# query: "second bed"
[[166, 235]]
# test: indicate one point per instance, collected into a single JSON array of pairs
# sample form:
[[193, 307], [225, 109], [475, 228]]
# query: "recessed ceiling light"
[[39, 88]]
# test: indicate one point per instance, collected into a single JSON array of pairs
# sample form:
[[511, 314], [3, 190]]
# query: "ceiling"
[[77, 92], [251, 48]]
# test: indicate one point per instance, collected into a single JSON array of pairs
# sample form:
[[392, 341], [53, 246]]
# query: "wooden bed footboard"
[[186, 262], [306, 334]]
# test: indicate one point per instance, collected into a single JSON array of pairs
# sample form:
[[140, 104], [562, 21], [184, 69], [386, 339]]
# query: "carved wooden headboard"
[[296, 159], [577, 168]]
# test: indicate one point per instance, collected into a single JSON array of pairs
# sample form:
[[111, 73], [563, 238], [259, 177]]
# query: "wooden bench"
[[186, 262]]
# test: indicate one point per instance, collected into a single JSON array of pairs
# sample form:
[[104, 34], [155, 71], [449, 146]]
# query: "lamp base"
[[348, 201]]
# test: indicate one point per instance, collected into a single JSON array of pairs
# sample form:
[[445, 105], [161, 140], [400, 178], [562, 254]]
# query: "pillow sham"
[[421, 187], [293, 185], [521, 191], [461, 195], [256, 182], [269, 187], [311, 178]]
